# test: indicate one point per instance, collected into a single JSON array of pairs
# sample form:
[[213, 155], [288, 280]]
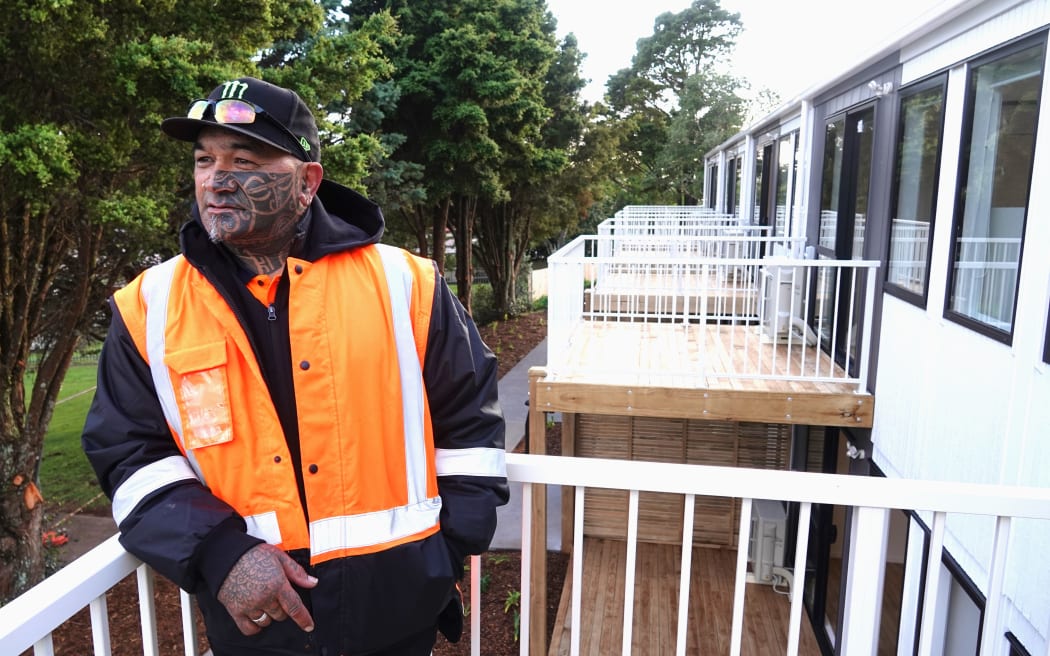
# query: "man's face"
[[250, 194]]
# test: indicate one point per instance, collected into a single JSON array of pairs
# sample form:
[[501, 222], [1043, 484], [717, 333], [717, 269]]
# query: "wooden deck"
[[654, 630], [700, 371]]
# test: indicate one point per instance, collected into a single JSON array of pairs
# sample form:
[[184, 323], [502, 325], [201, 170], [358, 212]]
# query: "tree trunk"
[[44, 308], [439, 221], [416, 218], [463, 235], [21, 514], [503, 236]]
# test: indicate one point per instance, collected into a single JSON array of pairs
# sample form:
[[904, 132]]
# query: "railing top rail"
[[656, 218], [650, 258], [64, 594], [691, 239], [741, 482], [577, 247]]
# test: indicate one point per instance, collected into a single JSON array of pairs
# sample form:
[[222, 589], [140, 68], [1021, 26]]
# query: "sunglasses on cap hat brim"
[[232, 111]]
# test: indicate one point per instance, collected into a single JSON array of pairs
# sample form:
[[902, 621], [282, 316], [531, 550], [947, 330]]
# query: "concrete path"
[[87, 531], [513, 393]]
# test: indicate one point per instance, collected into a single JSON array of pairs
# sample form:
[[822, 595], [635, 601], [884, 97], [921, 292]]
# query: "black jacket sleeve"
[[460, 375], [180, 529]]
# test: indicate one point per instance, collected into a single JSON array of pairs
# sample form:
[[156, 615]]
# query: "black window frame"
[[1046, 344], [712, 201], [1016, 647], [934, 81], [955, 571], [730, 195], [980, 327]]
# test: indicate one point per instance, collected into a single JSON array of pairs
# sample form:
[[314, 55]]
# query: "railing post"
[[866, 336], [869, 530], [538, 557], [147, 611]]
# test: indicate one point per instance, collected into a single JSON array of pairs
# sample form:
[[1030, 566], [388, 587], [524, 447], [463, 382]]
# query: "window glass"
[[738, 177], [918, 153], [730, 195], [712, 202], [785, 177], [1002, 105], [756, 201], [862, 124], [831, 180], [1046, 346]]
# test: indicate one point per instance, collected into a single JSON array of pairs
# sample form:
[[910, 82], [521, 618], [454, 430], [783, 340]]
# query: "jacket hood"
[[339, 219]]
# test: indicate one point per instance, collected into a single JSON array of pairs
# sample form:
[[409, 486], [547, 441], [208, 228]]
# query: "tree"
[[91, 191], [673, 98], [542, 190], [709, 110], [468, 118]]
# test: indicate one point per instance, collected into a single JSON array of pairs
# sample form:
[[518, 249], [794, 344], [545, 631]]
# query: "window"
[[1016, 648], [712, 200], [731, 195], [737, 182], [959, 605], [1046, 346], [787, 168], [1002, 107], [760, 187], [834, 143], [917, 163]]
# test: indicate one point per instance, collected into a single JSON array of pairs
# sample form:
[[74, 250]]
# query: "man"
[[294, 422]]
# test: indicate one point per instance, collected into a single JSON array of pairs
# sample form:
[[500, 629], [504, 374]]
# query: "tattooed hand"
[[260, 586]]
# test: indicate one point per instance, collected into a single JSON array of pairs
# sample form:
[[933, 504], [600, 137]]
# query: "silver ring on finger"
[[262, 618]]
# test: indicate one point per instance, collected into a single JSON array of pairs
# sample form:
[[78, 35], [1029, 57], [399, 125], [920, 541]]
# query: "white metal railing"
[[662, 211], [872, 499], [614, 238], [27, 622], [674, 221], [699, 289]]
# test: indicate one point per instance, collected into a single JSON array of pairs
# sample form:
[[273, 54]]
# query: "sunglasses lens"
[[197, 109], [234, 111]]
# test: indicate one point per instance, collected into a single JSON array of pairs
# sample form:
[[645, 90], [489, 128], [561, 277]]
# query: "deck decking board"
[[649, 369]]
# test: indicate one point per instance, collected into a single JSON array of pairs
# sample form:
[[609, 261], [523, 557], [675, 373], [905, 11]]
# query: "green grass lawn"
[[66, 479]]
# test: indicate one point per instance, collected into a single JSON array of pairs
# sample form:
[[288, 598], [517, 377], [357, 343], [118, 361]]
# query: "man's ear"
[[312, 177], [313, 173]]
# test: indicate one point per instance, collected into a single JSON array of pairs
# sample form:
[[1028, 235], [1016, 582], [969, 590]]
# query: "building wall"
[[952, 404]]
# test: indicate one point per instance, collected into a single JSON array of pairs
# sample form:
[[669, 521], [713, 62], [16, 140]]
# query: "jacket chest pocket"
[[199, 379]]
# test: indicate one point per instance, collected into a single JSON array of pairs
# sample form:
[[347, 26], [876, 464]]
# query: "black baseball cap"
[[249, 106]]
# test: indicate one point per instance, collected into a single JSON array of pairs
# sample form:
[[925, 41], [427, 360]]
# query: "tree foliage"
[[91, 191], [465, 115], [675, 101]]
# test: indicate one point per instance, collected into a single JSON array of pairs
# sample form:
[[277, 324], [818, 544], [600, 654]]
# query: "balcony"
[[708, 327], [28, 621]]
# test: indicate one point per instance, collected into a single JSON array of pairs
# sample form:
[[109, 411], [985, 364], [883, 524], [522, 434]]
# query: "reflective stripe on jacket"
[[366, 440]]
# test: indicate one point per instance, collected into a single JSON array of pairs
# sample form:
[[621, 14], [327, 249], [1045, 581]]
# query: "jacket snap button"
[[277, 458], [313, 469], [304, 365], [298, 268]]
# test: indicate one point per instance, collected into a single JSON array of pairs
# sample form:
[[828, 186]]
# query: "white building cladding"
[[933, 155]]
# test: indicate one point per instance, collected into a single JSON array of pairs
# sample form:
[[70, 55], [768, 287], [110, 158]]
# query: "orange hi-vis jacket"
[[369, 465]]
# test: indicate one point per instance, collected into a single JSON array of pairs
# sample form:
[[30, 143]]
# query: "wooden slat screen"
[[726, 443]]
